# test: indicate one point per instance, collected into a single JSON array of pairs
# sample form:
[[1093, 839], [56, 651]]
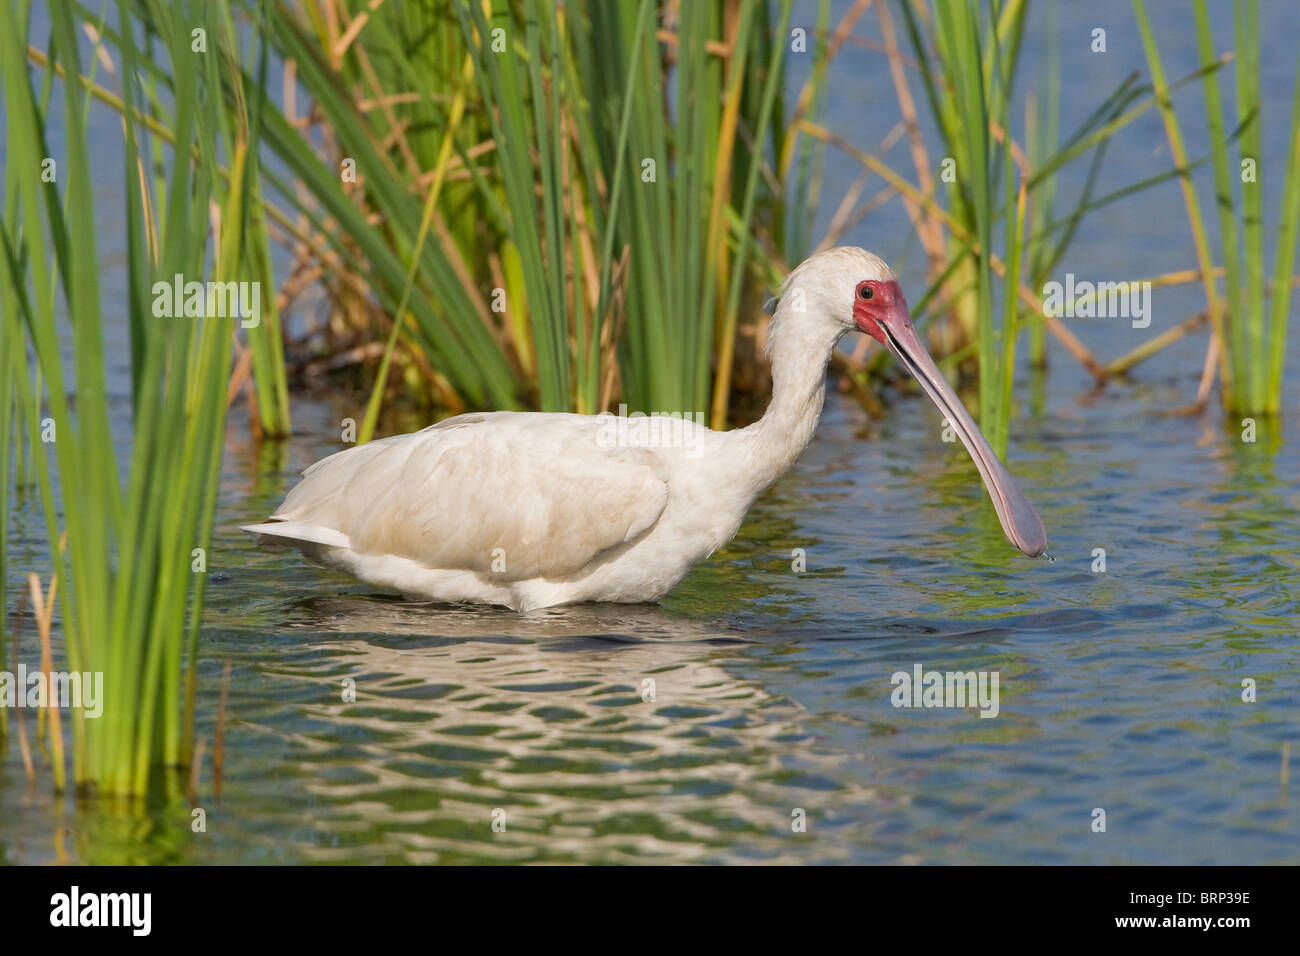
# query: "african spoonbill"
[[531, 509]]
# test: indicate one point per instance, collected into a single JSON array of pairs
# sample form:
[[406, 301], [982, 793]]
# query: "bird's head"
[[846, 289], [824, 296]]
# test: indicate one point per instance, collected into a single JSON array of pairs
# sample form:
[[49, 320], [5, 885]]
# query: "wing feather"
[[513, 495]]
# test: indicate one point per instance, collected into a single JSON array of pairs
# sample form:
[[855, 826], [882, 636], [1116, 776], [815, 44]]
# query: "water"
[[1120, 690]]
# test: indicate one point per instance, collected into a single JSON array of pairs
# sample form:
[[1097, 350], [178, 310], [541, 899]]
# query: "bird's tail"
[[296, 534]]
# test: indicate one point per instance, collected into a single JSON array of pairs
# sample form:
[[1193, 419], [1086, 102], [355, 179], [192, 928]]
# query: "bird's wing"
[[516, 495]]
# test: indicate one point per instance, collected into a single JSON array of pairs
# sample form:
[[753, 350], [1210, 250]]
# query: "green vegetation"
[[524, 204], [1253, 346], [968, 56], [124, 538], [506, 167]]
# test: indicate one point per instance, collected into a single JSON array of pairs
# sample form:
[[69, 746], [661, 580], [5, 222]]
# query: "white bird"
[[530, 509]]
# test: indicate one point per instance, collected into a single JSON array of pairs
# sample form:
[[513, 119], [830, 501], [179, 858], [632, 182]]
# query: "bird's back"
[[509, 495]]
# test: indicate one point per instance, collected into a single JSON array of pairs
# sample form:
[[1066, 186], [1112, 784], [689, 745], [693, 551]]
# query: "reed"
[[558, 204], [11, 428], [1003, 222], [527, 204], [534, 171], [1253, 340], [967, 56], [127, 538]]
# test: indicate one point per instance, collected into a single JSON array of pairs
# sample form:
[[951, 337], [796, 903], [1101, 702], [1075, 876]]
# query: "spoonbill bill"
[[531, 509]]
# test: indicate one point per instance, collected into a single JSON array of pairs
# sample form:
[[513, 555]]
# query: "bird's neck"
[[774, 443]]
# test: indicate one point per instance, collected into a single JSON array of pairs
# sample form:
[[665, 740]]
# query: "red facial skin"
[[886, 302]]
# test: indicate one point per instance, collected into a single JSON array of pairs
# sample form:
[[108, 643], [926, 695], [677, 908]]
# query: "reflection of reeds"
[[43, 609], [23, 747], [132, 603], [1285, 774], [219, 745]]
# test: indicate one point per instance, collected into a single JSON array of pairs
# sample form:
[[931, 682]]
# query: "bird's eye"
[[866, 292]]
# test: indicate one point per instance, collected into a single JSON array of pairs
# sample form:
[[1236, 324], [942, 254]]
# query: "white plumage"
[[530, 510]]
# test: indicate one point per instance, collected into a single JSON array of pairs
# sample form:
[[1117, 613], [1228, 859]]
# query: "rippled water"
[[1119, 690]]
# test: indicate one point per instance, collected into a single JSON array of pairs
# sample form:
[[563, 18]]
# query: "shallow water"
[[1119, 690]]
